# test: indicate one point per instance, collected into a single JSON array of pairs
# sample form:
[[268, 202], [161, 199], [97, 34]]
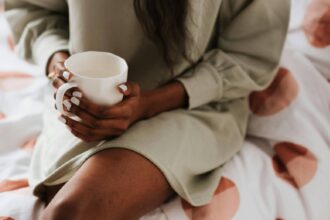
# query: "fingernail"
[[77, 94], [75, 101], [67, 104], [61, 119], [51, 75], [123, 87], [66, 75]]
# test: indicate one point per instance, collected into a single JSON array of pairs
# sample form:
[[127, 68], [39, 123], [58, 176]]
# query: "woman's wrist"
[[146, 105], [169, 97]]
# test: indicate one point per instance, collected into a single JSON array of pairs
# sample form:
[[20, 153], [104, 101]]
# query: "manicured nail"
[[123, 87], [61, 119], [75, 101], [67, 104], [66, 75], [77, 94], [51, 75]]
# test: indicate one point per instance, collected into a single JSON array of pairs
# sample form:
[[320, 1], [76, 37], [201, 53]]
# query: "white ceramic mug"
[[97, 75]]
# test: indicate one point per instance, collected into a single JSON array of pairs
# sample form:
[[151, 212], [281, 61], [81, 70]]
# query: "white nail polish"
[[67, 104], [75, 101], [77, 94], [123, 87], [66, 75], [61, 119], [51, 75]]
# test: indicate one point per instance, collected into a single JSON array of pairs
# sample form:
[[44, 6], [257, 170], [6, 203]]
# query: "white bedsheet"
[[282, 171]]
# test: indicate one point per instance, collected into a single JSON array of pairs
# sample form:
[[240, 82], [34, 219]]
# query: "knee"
[[63, 209]]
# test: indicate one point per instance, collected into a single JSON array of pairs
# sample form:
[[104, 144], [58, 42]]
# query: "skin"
[[116, 180], [316, 23]]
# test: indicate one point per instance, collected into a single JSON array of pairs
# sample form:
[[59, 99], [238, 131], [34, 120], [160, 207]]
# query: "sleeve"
[[40, 28], [249, 45]]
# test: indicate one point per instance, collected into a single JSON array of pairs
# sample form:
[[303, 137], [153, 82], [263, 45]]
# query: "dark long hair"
[[164, 22]]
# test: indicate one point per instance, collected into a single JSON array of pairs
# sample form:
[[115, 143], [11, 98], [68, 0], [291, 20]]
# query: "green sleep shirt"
[[237, 47]]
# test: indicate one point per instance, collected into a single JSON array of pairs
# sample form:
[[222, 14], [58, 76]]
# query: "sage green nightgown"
[[236, 44]]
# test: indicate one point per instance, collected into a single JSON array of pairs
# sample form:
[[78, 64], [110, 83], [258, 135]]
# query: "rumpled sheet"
[[282, 172]]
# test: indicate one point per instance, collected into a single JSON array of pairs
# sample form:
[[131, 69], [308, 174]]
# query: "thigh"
[[112, 184]]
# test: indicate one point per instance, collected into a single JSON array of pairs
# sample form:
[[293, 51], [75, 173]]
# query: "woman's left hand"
[[104, 122]]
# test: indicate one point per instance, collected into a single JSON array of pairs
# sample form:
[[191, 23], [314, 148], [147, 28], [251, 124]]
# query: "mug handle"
[[60, 95]]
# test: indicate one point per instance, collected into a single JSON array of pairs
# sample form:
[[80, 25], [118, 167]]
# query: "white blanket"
[[282, 171]]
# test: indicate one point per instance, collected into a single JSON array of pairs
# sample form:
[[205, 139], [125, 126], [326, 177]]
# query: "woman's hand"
[[97, 122], [316, 23], [104, 122]]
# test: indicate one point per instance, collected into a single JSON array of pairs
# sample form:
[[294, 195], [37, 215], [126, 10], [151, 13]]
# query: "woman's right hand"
[[58, 73]]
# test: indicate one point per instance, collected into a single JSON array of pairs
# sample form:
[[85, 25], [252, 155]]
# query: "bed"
[[282, 172]]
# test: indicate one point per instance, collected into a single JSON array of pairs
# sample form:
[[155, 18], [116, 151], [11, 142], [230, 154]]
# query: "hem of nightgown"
[[171, 178]]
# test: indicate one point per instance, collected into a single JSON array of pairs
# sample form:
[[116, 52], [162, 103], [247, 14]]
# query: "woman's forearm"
[[165, 98]]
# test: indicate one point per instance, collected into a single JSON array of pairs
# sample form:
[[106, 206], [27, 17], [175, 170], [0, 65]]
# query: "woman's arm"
[[165, 98], [40, 28], [102, 122], [249, 46], [250, 39]]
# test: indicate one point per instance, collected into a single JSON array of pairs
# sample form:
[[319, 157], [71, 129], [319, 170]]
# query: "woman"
[[192, 65]]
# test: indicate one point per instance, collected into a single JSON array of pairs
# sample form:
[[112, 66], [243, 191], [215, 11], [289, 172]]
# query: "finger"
[[83, 103], [57, 82], [69, 93], [120, 124], [62, 72], [67, 105], [52, 75], [88, 119], [116, 125], [121, 110], [83, 129], [123, 88], [80, 136], [87, 132], [129, 89]]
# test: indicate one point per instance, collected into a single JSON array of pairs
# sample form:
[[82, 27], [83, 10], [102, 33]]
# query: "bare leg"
[[51, 192], [114, 184]]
